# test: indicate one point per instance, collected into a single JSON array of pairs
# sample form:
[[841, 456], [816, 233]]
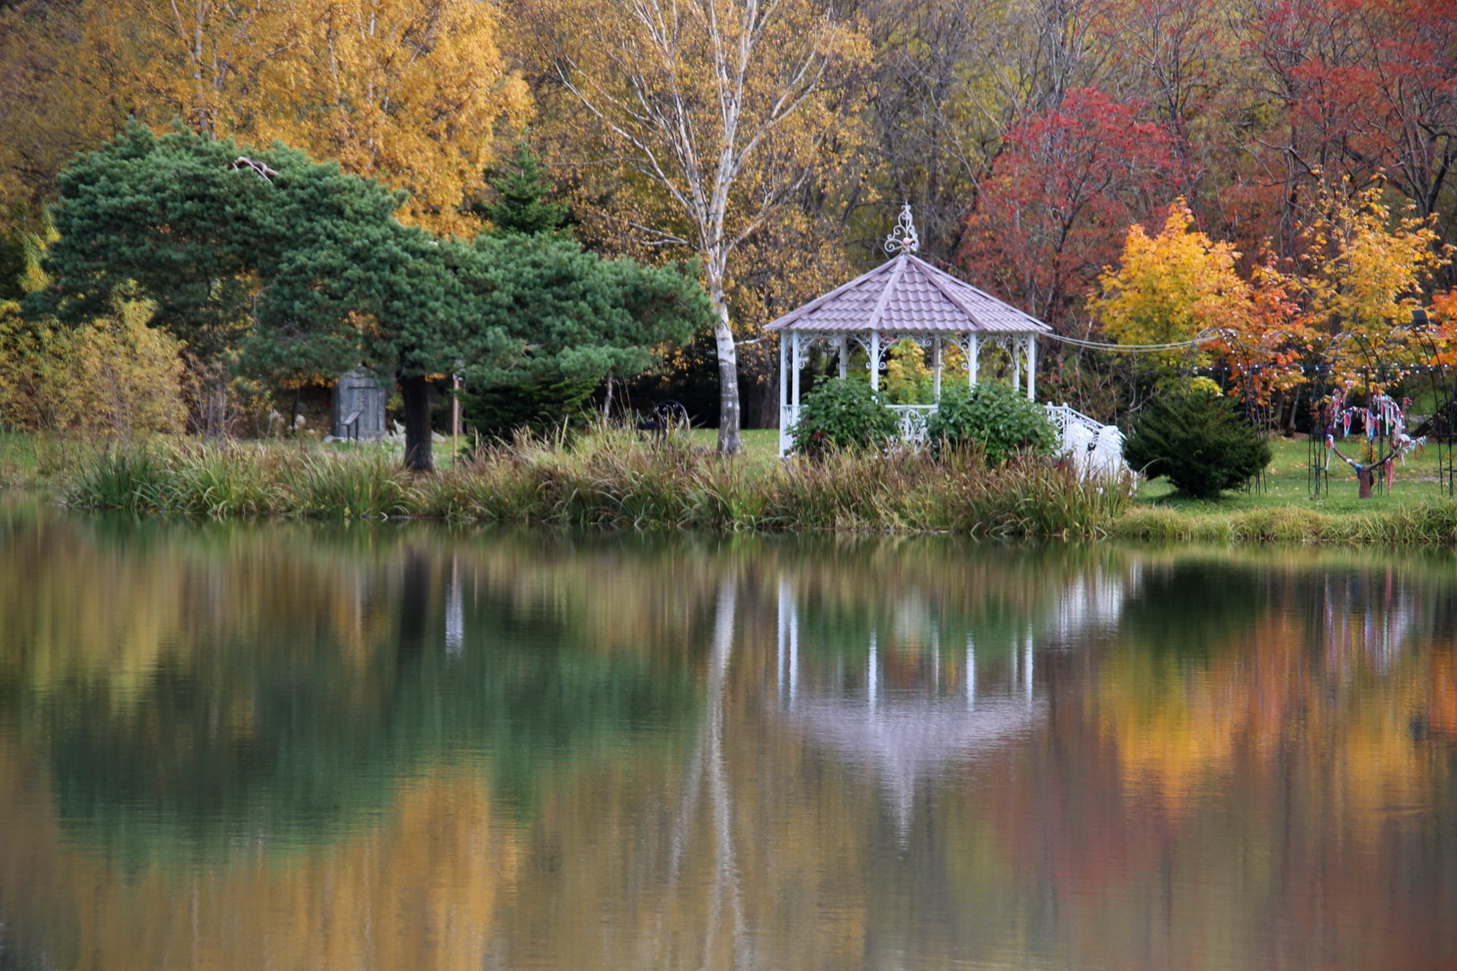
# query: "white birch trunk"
[[728, 369]]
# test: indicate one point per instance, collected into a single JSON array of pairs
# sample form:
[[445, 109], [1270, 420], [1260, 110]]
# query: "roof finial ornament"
[[903, 238]]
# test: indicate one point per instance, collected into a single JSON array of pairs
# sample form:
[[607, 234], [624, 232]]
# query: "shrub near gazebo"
[[994, 418], [1196, 438], [843, 413]]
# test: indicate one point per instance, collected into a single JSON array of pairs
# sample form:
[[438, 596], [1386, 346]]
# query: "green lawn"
[[1287, 483], [759, 444]]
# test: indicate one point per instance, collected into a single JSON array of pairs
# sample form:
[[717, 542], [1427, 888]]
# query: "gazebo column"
[[1011, 347], [1031, 365], [842, 347], [936, 364], [784, 339], [973, 347], [875, 360], [798, 366]]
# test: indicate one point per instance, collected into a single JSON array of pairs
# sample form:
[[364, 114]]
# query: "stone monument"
[[359, 399]]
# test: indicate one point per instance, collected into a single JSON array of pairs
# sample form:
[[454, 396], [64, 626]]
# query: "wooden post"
[[797, 360]]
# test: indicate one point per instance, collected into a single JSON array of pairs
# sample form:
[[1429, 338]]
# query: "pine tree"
[[522, 190]]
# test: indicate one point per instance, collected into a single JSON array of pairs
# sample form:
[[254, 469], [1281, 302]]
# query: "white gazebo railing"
[[1092, 447], [913, 421]]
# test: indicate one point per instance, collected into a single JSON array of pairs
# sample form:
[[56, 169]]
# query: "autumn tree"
[[717, 106], [936, 110], [1361, 89], [305, 269], [112, 376], [410, 92], [1363, 272], [1181, 286], [1170, 287], [1266, 349], [1059, 198]]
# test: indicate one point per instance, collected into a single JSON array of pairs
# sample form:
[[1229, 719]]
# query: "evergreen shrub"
[[845, 414], [994, 417], [1196, 437]]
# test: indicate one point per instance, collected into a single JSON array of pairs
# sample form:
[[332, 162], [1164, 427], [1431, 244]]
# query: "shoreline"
[[613, 480]]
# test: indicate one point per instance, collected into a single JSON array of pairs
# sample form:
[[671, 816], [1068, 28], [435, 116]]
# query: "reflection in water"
[[933, 714], [399, 746]]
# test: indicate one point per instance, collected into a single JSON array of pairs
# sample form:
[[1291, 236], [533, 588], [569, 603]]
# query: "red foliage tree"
[[1060, 198], [1364, 87]]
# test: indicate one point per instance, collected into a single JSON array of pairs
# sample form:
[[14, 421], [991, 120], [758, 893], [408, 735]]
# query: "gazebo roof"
[[907, 295]]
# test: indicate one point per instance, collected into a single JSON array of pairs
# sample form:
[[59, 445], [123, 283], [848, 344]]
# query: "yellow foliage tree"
[[410, 92], [1173, 286], [1180, 284], [1364, 271], [113, 377]]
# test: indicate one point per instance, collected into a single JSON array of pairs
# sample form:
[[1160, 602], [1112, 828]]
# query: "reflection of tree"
[[604, 775], [1178, 808], [1185, 608], [418, 890], [1300, 737], [281, 695]]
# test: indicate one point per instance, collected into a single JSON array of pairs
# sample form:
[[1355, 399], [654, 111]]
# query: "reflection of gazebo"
[[907, 733], [905, 297]]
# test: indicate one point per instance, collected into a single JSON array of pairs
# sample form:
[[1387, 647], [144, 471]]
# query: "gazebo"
[[905, 297]]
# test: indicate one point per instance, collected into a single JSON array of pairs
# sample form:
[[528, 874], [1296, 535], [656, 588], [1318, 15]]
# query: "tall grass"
[[231, 481], [612, 478], [132, 480], [218, 482], [368, 485]]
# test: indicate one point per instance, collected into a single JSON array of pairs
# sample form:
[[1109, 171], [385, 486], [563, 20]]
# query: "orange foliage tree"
[[1181, 286]]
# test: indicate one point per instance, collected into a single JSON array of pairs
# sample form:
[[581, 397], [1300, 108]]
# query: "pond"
[[405, 746]]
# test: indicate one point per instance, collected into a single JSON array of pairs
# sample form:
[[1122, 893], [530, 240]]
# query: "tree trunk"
[[728, 376], [415, 391]]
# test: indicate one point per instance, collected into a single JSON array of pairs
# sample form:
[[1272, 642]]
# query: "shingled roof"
[[907, 295]]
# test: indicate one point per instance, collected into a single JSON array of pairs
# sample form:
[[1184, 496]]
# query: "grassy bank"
[[614, 479], [608, 478], [1427, 523], [1415, 510]]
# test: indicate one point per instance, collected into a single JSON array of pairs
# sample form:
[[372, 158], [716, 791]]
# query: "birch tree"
[[720, 107]]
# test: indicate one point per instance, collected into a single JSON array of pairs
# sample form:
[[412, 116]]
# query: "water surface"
[[402, 746]]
